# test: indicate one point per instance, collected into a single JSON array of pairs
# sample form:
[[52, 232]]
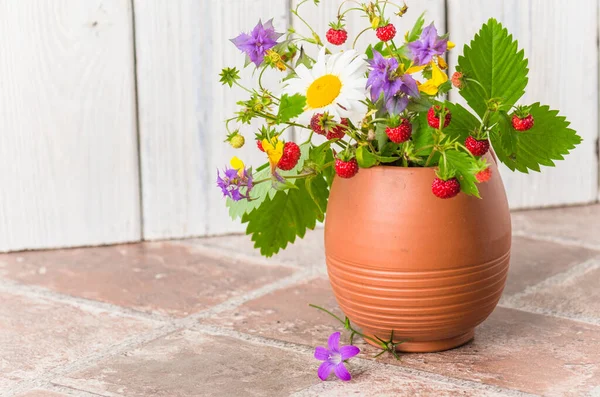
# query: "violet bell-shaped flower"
[[384, 78], [258, 42]]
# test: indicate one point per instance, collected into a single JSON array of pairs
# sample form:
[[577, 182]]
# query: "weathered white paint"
[[563, 59], [181, 48], [68, 148], [68, 154]]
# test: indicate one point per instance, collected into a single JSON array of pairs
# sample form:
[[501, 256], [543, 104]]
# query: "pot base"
[[434, 345]]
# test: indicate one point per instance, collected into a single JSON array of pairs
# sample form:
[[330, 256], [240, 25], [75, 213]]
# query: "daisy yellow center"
[[323, 91]]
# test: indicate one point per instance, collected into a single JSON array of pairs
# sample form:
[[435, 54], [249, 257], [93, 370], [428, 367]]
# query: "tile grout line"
[[73, 391], [368, 363], [217, 252], [88, 305], [134, 341], [556, 240], [550, 313], [516, 301], [557, 279], [233, 303]]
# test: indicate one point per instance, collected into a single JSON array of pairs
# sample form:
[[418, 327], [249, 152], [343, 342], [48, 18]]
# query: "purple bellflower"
[[334, 357], [429, 45], [383, 78], [232, 181], [258, 42]]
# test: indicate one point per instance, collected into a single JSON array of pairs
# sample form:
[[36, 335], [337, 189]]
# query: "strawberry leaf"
[[463, 122], [280, 219], [365, 158], [493, 59], [550, 139], [464, 167], [290, 107], [260, 192]]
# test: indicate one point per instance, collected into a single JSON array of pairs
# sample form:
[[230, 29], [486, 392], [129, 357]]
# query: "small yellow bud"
[[375, 22]]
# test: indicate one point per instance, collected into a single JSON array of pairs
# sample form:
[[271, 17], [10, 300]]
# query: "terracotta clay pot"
[[401, 259]]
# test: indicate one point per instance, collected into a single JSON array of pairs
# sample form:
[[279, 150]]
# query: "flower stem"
[[430, 157], [358, 36], [484, 122], [479, 84], [244, 88], [348, 326], [315, 35]]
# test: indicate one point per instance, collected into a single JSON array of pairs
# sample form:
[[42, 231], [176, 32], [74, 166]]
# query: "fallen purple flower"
[[334, 357]]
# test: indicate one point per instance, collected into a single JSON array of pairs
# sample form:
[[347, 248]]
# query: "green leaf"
[[381, 136], [550, 139], [279, 220], [290, 107], [318, 155], [508, 141], [260, 192], [421, 104], [417, 29], [387, 159], [422, 136], [303, 59], [463, 122], [494, 60], [365, 158], [464, 167]]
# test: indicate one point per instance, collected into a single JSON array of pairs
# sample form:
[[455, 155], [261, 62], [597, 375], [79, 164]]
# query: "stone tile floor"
[[209, 317]]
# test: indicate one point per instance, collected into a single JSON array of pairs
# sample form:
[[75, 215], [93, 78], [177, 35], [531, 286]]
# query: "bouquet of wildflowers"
[[383, 105]]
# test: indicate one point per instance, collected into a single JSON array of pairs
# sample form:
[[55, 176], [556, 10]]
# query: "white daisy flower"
[[335, 85]]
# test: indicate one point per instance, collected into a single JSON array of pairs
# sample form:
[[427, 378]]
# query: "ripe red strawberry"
[[484, 176], [259, 145], [337, 36], [477, 147], [433, 117], [291, 155], [445, 189], [386, 33], [315, 124], [522, 123], [346, 169], [400, 134], [338, 132]]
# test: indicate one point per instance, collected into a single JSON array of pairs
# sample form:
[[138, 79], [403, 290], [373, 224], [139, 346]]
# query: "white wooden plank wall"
[[68, 144], [560, 41], [68, 148], [181, 48]]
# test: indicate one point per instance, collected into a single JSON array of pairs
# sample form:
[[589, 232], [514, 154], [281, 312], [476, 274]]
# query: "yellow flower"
[[415, 69], [274, 59], [442, 63], [274, 150], [238, 165], [438, 78]]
